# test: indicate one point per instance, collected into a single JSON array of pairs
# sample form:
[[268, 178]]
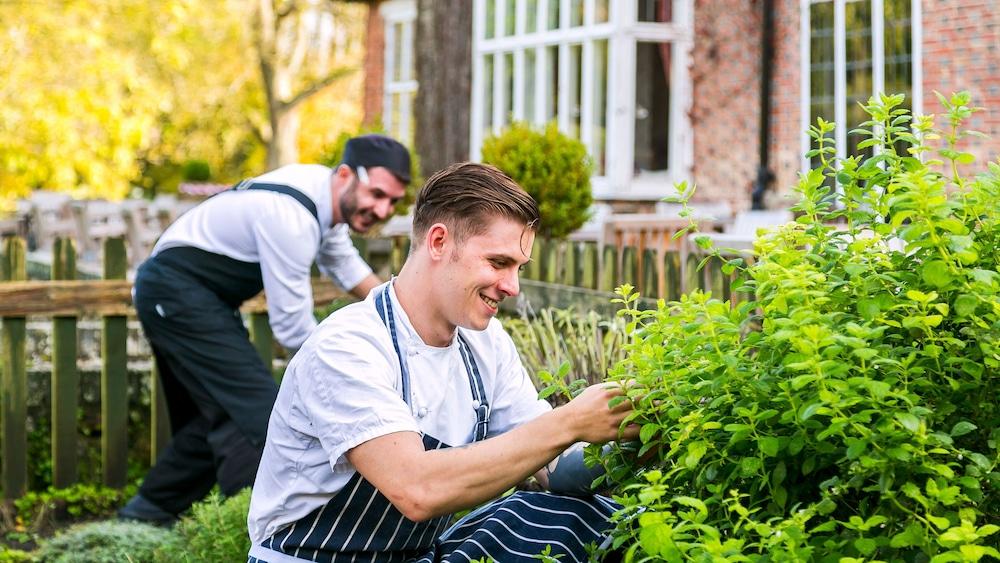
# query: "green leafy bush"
[[8, 555], [105, 542], [196, 170], [849, 412], [40, 509], [554, 168], [214, 530]]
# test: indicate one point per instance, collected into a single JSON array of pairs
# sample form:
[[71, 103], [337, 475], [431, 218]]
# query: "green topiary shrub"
[[214, 530], [553, 168], [105, 542], [196, 171], [849, 412]]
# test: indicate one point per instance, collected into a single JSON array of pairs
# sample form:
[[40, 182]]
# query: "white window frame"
[[396, 12], [840, 68], [622, 32]]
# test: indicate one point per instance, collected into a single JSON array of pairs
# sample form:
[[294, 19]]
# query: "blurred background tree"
[[101, 96]]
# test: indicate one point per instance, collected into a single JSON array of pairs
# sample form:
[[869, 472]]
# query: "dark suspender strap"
[[478, 391], [384, 308], [300, 197]]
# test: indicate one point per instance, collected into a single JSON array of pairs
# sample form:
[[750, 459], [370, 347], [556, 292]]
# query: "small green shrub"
[[214, 530], [105, 542], [41, 509], [196, 171], [849, 412], [8, 555], [562, 349], [554, 168]]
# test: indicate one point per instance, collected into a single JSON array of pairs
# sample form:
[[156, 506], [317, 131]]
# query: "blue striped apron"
[[360, 525]]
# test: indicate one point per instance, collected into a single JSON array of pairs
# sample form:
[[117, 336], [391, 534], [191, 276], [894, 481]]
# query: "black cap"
[[378, 150]]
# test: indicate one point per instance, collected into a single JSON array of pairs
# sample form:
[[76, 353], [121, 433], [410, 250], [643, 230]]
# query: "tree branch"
[[318, 85]]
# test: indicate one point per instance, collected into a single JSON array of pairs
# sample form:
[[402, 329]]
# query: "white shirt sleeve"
[[350, 394], [515, 398], [339, 260], [287, 239]]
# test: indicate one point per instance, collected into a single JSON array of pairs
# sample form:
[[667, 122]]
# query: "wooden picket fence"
[[655, 272]]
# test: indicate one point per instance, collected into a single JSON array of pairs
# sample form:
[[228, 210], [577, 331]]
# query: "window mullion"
[[499, 97], [916, 58], [840, 77], [804, 55], [587, 96], [387, 70], [476, 123]]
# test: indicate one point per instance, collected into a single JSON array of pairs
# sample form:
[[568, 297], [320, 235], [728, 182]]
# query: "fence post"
[[14, 387], [588, 266], [550, 259], [672, 275], [65, 379], [114, 376], [630, 267], [533, 270], [398, 253], [609, 269], [650, 275], [263, 339], [159, 416], [717, 282], [693, 278], [571, 264]]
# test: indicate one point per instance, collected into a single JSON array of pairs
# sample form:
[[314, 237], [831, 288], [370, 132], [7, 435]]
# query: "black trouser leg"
[[215, 381]]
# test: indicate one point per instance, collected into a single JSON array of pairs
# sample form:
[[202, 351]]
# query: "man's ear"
[[438, 240]]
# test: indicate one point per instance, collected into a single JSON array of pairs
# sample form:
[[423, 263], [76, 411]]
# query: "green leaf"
[[936, 273], [866, 546], [696, 450], [648, 431], [962, 428], [913, 535], [769, 445], [909, 421], [965, 305]]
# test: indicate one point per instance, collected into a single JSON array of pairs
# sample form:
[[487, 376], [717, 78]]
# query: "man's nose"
[[383, 209], [510, 284]]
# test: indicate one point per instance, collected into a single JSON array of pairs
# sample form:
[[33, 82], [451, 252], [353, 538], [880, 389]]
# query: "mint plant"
[[848, 410]]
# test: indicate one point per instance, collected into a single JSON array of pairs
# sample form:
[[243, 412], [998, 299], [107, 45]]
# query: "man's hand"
[[592, 420]]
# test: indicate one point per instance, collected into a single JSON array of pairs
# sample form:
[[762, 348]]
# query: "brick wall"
[[374, 68], [962, 52], [725, 76], [785, 152]]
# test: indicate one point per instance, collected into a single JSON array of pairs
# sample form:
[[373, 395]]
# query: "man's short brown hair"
[[467, 196]]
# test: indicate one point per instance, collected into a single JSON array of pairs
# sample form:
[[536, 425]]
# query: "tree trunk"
[[444, 69]]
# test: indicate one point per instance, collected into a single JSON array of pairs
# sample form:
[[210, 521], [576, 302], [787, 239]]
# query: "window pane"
[[575, 89], [397, 116], [508, 88], [600, 11], [899, 53], [511, 18], [858, 44], [397, 52], [531, 15], [575, 13], [487, 95], [529, 84], [652, 106], [491, 18], [553, 14], [551, 82], [821, 69], [600, 110], [654, 11]]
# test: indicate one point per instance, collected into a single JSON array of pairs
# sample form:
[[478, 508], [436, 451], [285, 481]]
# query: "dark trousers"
[[218, 391]]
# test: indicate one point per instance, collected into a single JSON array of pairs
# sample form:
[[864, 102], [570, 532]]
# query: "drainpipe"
[[764, 174]]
